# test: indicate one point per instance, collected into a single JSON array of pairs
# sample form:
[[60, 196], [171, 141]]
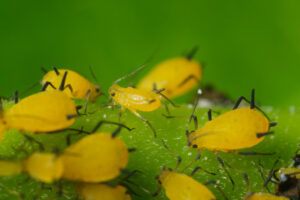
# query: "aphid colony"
[[99, 157]]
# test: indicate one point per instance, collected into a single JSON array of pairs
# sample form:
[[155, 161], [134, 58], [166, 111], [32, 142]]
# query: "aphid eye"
[[112, 94]]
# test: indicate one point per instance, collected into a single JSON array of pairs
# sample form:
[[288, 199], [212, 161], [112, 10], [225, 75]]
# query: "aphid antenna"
[[174, 154], [95, 77], [136, 70], [252, 103], [191, 54], [217, 187], [34, 85]]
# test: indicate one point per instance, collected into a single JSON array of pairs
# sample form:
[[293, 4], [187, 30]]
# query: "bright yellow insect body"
[[134, 99], [179, 186], [95, 158], [288, 171], [41, 112], [263, 196], [45, 167], [79, 84], [177, 76], [89, 191], [236, 129]]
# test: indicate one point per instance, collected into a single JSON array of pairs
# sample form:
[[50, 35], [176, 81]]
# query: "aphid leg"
[[167, 108], [68, 138], [46, 85], [224, 168], [201, 168], [56, 71], [187, 79], [145, 120], [44, 70], [217, 187], [193, 161], [260, 166], [131, 150], [121, 113], [77, 109], [191, 54], [100, 123], [245, 176], [157, 191], [162, 95], [272, 124], [253, 153], [95, 78], [16, 97], [32, 140], [269, 178], [173, 153], [87, 97], [259, 135]]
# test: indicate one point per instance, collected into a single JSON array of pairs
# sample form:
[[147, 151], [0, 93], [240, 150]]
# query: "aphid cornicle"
[[90, 191], [44, 167], [95, 158], [80, 86], [177, 76], [45, 111]]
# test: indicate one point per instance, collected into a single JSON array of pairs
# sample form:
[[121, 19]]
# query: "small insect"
[[97, 157], [289, 179], [91, 191], [179, 186], [177, 76], [135, 99], [46, 111], [237, 129], [80, 87], [45, 167]]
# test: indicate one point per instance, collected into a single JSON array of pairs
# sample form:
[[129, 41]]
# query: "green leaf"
[[151, 156]]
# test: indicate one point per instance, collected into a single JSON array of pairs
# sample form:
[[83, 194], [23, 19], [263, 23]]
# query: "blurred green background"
[[245, 44]]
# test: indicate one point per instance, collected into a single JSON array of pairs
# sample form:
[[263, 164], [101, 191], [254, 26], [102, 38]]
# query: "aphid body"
[[41, 112], [180, 186], [45, 167], [265, 196], [89, 191], [236, 129], [177, 76], [95, 158]]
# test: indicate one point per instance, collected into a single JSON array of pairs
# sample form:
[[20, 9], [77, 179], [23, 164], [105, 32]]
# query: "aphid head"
[[113, 90]]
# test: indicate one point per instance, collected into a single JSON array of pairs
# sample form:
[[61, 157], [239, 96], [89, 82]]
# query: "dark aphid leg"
[[46, 85], [218, 188], [209, 115], [157, 191], [16, 97], [44, 70], [226, 171], [272, 124], [56, 71], [100, 123], [259, 135], [32, 140], [191, 54]]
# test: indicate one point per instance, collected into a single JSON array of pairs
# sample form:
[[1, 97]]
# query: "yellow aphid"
[[134, 99], [45, 167], [180, 186], [9, 168], [80, 85], [177, 76], [236, 129], [95, 158], [41, 112], [264, 196], [289, 171], [89, 191]]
